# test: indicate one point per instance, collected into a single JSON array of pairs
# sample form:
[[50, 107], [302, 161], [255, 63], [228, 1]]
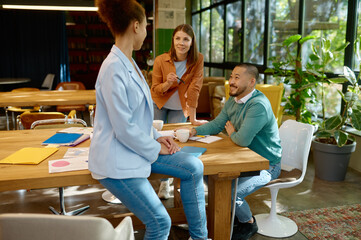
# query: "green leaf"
[[269, 70], [356, 119], [342, 47], [304, 39], [327, 45], [349, 74], [333, 122], [323, 134], [291, 40], [338, 80], [314, 57], [340, 137], [351, 97]]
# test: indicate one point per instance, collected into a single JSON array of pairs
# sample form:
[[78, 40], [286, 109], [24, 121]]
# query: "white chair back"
[[296, 141], [58, 227], [48, 81]]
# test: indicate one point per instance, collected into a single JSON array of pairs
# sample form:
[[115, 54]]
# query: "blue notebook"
[[195, 151], [62, 138]]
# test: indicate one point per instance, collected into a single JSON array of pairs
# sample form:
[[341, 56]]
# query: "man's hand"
[[229, 128], [169, 145], [199, 122]]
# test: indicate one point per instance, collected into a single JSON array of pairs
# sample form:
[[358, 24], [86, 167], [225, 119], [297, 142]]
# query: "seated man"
[[249, 121]]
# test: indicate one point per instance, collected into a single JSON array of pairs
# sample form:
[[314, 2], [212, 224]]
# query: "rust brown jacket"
[[188, 92]]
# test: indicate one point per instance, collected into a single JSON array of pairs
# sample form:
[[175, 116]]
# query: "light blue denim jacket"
[[122, 145]]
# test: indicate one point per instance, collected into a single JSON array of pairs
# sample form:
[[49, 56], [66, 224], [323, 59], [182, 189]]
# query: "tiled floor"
[[311, 193]]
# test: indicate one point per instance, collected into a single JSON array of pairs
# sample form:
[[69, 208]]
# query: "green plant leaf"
[[356, 119], [342, 47], [314, 57], [351, 97], [340, 137], [349, 74], [333, 122], [304, 39], [291, 39], [337, 80], [327, 45], [323, 134], [269, 70]]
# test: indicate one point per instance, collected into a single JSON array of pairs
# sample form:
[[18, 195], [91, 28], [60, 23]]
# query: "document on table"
[[29, 155], [68, 164], [76, 152], [209, 139]]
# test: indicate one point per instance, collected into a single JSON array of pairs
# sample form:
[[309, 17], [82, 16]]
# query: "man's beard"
[[238, 92]]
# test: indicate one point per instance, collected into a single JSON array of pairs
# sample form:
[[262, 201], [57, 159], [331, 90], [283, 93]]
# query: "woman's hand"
[[171, 78], [199, 122], [168, 143], [229, 128]]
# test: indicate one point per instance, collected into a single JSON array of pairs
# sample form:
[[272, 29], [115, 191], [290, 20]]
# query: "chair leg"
[[62, 206], [7, 119], [273, 225]]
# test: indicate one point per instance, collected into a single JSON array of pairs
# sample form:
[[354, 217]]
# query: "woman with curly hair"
[[125, 148]]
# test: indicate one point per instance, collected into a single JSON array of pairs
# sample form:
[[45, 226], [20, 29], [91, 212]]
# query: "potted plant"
[[303, 81], [332, 145]]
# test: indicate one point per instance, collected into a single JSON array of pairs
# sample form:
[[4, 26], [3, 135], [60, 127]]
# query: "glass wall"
[[252, 31]]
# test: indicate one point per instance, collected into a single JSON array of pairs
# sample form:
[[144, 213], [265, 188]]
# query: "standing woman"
[[177, 79], [125, 148]]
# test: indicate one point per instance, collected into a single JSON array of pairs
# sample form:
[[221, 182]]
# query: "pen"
[[180, 79], [200, 136]]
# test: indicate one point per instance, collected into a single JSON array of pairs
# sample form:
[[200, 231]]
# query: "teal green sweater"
[[255, 124]]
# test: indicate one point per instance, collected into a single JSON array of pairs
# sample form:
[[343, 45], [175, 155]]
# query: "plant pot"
[[331, 161]]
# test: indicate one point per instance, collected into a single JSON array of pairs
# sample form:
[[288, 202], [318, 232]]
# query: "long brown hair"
[[192, 56], [118, 14]]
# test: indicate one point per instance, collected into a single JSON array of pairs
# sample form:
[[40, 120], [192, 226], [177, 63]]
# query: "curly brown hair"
[[118, 14], [192, 56]]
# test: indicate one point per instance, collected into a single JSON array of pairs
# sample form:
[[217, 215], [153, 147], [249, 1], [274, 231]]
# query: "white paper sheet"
[[209, 139], [68, 164]]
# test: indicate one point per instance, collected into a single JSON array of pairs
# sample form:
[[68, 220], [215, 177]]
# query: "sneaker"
[[244, 231], [164, 190]]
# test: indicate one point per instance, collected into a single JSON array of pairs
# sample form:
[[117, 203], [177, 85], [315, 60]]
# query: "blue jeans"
[[168, 115], [140, 198], [248, 185]]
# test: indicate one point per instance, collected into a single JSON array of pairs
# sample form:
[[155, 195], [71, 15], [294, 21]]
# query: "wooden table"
[[223, 162], [47, 98]]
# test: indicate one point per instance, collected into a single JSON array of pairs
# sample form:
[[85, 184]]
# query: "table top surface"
[[4, 81], [47, 98], [221, 157]]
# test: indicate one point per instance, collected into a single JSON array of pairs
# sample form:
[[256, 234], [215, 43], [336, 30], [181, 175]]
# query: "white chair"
[[296, 140], [48, 82], [15, 226]]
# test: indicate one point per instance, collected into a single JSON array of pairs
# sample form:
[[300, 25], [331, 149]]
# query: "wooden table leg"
[[219, 205]]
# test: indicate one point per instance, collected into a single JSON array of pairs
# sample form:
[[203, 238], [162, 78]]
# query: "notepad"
[[29, 155], [66, 139], [195, 151]]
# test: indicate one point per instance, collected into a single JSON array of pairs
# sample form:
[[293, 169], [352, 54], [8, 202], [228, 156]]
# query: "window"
[[234, 31]]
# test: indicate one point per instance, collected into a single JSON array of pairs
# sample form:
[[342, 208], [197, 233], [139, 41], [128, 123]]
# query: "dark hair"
[[118, 14], [192, 56], [250, 69]]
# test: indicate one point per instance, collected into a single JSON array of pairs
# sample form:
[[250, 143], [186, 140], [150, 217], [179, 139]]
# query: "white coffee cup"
[[158, 124], [182, 135]]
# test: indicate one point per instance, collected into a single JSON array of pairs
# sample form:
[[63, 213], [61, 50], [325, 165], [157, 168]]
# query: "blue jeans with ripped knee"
[[140, 198]]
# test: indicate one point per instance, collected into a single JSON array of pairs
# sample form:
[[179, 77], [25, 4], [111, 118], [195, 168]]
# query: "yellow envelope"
[[29, 155]]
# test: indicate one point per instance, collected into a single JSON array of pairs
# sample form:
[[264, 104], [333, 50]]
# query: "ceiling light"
[[57, 8]]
